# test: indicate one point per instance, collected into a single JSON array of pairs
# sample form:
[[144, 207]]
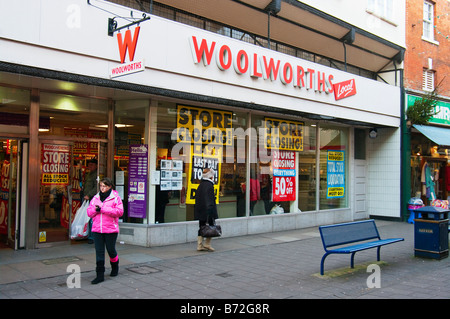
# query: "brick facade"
[[418, 51]]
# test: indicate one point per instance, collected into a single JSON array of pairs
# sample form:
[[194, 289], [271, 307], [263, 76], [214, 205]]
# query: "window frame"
[[428, 19]]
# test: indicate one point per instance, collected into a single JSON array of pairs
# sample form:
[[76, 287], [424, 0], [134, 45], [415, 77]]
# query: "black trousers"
[[105, 240]]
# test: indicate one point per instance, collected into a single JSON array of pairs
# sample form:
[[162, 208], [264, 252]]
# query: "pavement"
[[270, 266]]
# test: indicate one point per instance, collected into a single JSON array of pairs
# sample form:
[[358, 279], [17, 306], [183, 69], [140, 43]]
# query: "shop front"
[[430, 172], [287, 138]]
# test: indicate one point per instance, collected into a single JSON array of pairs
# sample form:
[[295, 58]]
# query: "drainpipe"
[[405, 164], [272, 9], [349, 38]]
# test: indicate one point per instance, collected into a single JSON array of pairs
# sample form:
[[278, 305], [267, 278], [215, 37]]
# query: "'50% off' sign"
[[284, 189]]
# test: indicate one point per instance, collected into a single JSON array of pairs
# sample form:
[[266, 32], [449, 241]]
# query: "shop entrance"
[[13, 164], [65, 168]]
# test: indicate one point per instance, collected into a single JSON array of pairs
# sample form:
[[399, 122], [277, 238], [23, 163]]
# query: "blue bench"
[[361, 232]]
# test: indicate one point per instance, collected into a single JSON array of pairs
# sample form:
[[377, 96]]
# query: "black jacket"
[[205, 202]]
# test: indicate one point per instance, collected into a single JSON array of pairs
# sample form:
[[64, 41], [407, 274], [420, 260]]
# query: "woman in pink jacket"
[[105, 209]]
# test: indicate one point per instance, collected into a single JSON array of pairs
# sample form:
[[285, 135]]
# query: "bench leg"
[[378, 253], [352, 263], [322, 263]]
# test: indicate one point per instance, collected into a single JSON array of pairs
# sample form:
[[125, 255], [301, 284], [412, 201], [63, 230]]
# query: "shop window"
[[307, 170], [179, 162], [282, 172], [261, 170], [130, 166], [430, 175], [14, 110], [333, 167]]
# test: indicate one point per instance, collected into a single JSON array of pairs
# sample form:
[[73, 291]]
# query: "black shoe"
[[100, 277], [100, 270], [114, 268], [90, 241]]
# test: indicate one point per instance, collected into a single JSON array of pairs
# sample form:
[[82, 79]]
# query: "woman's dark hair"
[[107, 181]]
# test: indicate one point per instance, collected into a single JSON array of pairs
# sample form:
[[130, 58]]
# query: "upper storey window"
[[428, 18], [384, 9]]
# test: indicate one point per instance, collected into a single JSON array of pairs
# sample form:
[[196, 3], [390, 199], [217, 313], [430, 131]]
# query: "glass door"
[[13, 165], [55, 202]]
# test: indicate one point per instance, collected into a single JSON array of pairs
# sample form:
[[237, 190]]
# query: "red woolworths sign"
[[260, 66], [127, 43], [344, 89]]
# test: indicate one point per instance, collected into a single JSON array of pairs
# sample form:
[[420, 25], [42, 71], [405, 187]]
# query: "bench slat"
[[363, 246], [346, 233]]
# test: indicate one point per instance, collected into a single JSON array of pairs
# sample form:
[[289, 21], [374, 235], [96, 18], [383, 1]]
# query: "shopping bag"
[[276, 209], [80, 224]]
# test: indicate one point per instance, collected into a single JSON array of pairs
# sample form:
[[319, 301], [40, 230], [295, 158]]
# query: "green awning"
[[439, 135]]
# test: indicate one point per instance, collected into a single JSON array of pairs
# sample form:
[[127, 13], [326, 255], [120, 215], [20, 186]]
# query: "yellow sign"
[[335, 192], [204, 126], [207, 131], [42, 236], [283, 134], [198, 162], [57, 179], [335, 156]]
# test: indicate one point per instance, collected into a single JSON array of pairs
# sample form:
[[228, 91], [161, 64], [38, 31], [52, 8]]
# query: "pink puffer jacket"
[[107, 220]]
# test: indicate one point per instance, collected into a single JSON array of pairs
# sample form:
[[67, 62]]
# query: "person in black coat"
[[205, 209]]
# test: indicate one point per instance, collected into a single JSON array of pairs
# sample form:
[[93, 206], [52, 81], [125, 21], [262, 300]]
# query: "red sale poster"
[[283, 176]]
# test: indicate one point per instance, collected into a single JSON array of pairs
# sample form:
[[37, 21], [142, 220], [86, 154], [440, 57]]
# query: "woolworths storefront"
[[156, 103]]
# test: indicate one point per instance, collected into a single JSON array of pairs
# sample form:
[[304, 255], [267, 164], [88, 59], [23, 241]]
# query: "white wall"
[[384, 173], [355, 12]]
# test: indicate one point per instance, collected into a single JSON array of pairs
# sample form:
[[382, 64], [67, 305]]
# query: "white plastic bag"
[[80, 223], [276, 209]]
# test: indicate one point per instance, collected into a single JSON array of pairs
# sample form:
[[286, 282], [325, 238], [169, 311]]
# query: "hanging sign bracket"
[[112, 24]]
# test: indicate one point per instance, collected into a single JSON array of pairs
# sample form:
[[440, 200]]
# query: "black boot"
[[100, 269], [114, 268]]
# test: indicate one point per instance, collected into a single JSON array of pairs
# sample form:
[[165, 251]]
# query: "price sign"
[[283, 188], [283, 176]]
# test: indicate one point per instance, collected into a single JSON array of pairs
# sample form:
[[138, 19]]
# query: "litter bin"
[[431, 233], [413, 205]]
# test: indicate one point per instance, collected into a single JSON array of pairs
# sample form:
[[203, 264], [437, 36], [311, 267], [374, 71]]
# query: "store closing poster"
[[55, 164], [283, 176], [335, 174], [207, 131]]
